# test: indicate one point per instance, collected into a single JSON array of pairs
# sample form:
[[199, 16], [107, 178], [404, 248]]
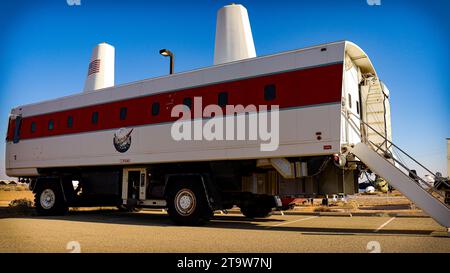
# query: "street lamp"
[[165, 53]]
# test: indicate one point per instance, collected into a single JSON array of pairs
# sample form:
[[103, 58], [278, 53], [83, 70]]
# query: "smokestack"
[[234, 40], [101, 68]]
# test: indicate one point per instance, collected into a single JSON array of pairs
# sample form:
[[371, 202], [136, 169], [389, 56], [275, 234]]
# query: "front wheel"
[[49, 200], [187, 204]]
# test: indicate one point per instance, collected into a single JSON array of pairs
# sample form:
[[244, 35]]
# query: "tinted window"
[[222, 99], [123, 113], [155, 109], [94, 118], [357, 107], [16, 138], [188, 102], [69, 122], [33, 127], [270, 92], [51, 124], [349, 101]]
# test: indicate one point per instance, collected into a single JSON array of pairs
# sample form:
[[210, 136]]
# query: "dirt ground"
[[387, 203], [9, 193]]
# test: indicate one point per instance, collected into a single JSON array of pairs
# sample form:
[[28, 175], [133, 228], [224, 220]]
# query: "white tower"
[[101, 68], [234, 40]]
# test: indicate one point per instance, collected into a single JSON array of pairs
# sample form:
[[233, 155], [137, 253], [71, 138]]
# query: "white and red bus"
[[116, 142]]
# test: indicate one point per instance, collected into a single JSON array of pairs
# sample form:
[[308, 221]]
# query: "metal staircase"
[[389, 161], [376, 108]]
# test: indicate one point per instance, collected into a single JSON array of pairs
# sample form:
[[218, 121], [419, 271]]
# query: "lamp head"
[[165, 52]]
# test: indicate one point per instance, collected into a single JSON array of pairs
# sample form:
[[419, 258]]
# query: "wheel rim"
[[47, 199], [185, 202]]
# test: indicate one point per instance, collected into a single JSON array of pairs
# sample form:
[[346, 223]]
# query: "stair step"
[[429, 203]]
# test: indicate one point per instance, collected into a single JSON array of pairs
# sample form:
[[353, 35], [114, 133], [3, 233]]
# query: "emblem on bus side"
[[122, 139]]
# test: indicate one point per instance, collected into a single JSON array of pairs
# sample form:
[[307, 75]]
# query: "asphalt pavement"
[[152, 231]]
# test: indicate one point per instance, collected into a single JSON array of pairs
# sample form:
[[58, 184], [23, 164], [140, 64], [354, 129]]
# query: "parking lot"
[[152, 231]]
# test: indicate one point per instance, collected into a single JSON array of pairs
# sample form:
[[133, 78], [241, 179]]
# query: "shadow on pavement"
[[218, 221]]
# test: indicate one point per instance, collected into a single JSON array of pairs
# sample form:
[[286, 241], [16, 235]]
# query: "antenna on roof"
[[234, 40], [101, 68]]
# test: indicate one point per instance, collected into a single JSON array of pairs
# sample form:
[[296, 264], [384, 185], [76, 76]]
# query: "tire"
[[256, 212], [49, 200], [187, 204]]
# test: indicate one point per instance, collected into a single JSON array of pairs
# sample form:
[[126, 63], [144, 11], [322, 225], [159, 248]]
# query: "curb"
[[321, 214], [442, 234], [343, 214]]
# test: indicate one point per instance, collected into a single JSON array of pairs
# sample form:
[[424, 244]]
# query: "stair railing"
[[387, 153]]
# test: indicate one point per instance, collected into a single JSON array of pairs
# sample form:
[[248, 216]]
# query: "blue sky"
[[45, 47]]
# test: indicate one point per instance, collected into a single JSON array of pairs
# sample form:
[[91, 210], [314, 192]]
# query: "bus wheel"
[[256, 212], [49, 200], [187, 204]]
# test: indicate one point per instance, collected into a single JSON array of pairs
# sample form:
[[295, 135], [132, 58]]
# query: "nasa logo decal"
[[122, 139]]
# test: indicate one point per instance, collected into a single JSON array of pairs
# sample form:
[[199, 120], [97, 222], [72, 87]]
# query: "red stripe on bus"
[[293, 89]]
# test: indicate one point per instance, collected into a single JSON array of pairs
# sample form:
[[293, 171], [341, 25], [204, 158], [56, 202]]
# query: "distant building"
[[448, 157]]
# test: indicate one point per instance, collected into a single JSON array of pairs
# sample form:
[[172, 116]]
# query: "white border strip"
[[385, 224], [290, 222]]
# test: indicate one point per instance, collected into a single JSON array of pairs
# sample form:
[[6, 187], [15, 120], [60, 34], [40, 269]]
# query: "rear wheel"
[[256, 212], [49, 200], [187, 204], [257, 206]]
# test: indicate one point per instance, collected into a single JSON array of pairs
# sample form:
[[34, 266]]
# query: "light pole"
[[165, 53]]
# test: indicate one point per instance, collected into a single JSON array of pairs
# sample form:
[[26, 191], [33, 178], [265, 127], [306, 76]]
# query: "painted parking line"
[[294, 221], [384, 224]]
